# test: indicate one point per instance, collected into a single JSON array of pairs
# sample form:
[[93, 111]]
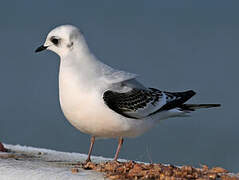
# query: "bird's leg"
[[2, 148], [92, 141], [121, 140]]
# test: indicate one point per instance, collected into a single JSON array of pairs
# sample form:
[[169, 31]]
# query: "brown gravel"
[[138, 171], [74, 170]]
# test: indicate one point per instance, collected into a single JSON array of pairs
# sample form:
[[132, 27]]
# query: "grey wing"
[[139, 103]]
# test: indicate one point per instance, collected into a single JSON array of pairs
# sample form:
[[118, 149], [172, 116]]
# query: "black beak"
[[41, 48]]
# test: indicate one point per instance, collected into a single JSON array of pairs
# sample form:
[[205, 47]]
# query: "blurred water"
[[173, 45]]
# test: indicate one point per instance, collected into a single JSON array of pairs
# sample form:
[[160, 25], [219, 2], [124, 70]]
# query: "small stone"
[[162, 176], [205, 168], [114, 177], [218, 170], [188, 169], [74, 170], [137, 167], [40, 153], [225, 177], [212, 175], [89, 166], [168, 172]]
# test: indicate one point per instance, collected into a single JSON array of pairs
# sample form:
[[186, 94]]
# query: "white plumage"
[[99, 100]]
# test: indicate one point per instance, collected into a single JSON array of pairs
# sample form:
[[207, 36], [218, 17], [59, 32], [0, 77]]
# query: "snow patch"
[[28, 163]]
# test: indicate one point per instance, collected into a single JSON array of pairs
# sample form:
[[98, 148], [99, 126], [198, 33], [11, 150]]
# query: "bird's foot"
[[88, 165], [87, 160], [84, 164]]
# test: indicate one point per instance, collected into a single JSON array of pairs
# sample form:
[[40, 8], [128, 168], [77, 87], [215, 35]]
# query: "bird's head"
[[62, 40]]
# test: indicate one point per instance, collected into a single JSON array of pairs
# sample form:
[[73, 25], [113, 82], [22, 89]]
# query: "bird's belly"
[[88, 113]]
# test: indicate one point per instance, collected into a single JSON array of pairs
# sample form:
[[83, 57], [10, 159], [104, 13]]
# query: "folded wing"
[[141, 103]]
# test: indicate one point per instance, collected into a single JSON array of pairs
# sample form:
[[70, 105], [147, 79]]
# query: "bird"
[[104, 102]]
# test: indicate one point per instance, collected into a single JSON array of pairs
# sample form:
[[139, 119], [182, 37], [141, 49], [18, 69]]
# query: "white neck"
[[81, 67]]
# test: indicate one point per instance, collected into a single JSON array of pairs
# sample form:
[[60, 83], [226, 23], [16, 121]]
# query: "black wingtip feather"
[[182, 98], [191, 92], [193, 107]]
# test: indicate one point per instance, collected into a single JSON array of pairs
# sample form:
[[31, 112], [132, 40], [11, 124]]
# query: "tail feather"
[[193, 107]]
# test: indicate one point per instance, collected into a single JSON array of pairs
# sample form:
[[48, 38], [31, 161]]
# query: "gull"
[[104, 102]]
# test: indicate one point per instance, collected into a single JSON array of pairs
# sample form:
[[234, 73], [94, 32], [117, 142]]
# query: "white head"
[[63, 39]]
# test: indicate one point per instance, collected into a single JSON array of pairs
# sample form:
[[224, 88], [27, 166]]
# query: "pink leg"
[[92, 141], [121, 140], [2, 149]]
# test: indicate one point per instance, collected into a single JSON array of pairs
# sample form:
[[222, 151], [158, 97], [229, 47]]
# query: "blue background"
[[174, 45]]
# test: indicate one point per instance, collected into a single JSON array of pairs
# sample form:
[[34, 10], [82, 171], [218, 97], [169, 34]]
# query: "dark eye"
[[55, 41]]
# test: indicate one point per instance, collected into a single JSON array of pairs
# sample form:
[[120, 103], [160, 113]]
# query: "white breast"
[[84, 108]]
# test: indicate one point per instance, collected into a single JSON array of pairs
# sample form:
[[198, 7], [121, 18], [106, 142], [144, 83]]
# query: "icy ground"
[[28, 163]]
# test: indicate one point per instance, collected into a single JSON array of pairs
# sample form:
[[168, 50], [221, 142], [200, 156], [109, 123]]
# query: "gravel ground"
[[133, 170]]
